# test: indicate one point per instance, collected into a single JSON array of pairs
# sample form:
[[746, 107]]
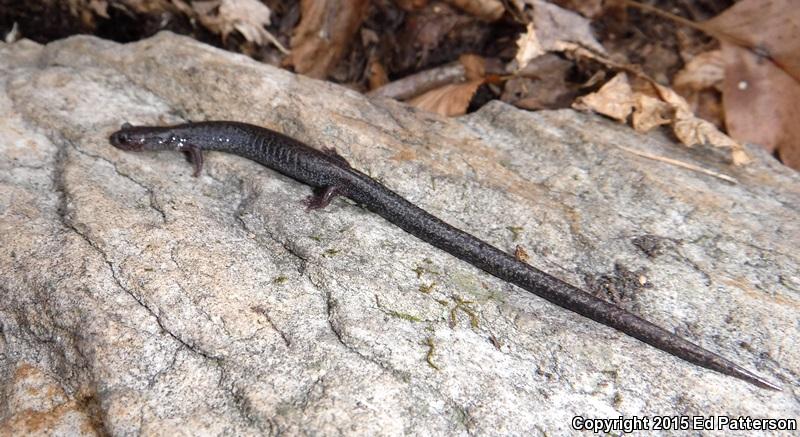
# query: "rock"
[[146, 301]]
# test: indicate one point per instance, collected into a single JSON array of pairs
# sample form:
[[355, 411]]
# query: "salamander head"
[[137, 138]]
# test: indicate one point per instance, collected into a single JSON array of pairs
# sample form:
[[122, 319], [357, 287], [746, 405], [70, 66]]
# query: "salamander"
[[330, 175]]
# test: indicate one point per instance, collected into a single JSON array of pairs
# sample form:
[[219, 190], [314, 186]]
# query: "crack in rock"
[[238, 215], [244, 407], [258, 309], [59, 184], [153, 200]]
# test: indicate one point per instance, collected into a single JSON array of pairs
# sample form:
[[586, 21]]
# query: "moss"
[[427, 289], [397, 314], [463, 306], [420, 270], [515, 231], [403, 316], [617, 399], [431, 351]]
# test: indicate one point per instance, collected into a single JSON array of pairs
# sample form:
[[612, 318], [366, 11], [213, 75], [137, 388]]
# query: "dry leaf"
[[705, 70], [248, 17], [761, 89], [377, 74], [692, 130], [529, 47], [556, 25], [487, 10], [474, 66], [13, 35], [615, 99], [700, 83], [99, 7], [770, 26], [450, 100], [761, 104], [325, 31], [551, 28], [650, 112]]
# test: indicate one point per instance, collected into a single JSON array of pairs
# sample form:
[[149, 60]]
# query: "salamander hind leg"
[[195, 156], [331, 151], [322, 197]]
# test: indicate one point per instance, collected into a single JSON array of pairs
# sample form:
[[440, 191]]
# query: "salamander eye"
[[123, 140], [126, 125]]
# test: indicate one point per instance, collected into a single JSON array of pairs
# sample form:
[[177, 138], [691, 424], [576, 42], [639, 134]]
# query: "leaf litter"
[[735, 68]]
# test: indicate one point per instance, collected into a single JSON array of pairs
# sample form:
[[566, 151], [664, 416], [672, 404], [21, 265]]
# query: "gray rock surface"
[[136, 299]]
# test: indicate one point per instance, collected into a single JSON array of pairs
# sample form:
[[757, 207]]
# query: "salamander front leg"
[[194, 155], [322, 197]]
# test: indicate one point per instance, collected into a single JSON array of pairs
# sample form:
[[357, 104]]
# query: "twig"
[[667, 15], [424, 81], [677, 163], [421, 82]]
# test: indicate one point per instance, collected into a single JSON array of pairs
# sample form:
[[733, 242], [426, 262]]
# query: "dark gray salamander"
[[330, 175]]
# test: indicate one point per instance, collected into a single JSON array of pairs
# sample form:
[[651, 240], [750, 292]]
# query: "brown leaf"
[[551, 28], [761, 47], [486, 10], [761, 104], [450, 100], [615, 99], [692, 130], [770, 26], [248, 17], [324, 33], [474, 66], [650, 112], [99, 7], [377, 74], [700, 83], [705, 70], [528, 47]]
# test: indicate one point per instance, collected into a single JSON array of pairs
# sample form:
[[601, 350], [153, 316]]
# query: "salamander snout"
[[136, 138], [126, 140]]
